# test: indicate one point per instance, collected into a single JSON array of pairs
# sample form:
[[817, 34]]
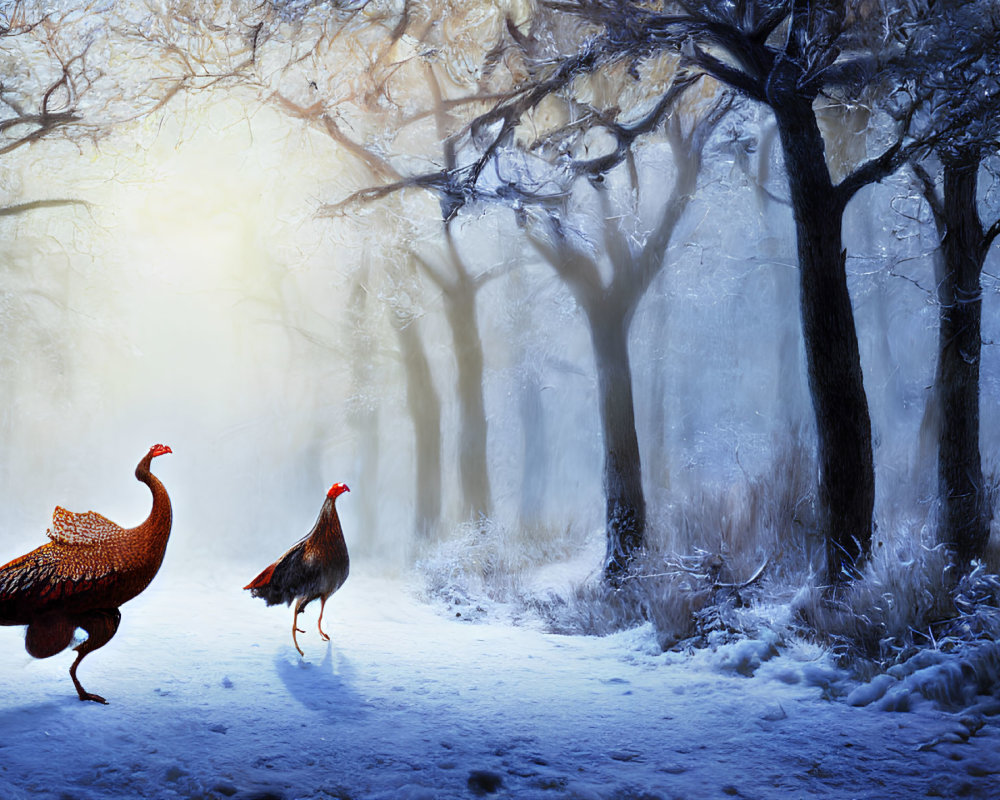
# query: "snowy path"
[[208, 699]]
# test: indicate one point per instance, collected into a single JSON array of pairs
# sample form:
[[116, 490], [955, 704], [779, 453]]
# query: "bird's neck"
[[328, 526], [157, 524]]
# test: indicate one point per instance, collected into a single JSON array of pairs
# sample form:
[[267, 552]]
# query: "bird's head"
[[337, 490], [159, 450]]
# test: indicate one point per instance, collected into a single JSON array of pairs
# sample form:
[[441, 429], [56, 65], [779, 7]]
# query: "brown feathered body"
[[83, 575], [313, 568]]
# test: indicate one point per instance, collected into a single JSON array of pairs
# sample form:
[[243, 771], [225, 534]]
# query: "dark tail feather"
[[262, 580]]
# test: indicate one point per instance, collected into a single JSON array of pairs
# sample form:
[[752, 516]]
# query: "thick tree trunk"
[[626, 504], [965, 519], [424, 405], [460, 308], [847, 475]]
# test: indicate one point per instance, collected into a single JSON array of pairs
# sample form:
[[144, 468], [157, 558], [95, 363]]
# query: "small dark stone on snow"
[[174, 773], [226, 683], [979, 770], [218, 728], [225, 789], [484, 782]]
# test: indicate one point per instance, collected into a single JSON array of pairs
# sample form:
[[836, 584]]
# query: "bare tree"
[[785, 54], [424, 406], [459, 288], [445, 267], [45, 101], [609, 305], [951, 69]]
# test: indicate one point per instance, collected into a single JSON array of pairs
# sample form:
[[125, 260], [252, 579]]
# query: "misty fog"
[[198, 290], [399, 245], [198, 299]]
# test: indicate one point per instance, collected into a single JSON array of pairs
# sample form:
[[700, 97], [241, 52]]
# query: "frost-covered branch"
[[34, 205]]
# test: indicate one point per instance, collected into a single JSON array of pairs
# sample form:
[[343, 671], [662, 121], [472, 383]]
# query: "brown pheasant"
[[81, 577], [314, 567]]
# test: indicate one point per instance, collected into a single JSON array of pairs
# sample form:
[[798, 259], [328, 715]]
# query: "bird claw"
[[324, 637], [95, 697]]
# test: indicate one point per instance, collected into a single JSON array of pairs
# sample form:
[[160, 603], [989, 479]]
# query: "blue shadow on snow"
[[326, 686]]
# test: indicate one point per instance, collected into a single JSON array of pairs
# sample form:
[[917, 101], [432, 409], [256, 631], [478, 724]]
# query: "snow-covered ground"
[[209, 700]]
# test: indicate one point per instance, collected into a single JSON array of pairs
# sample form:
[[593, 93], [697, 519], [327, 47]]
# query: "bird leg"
[[319, 624], [100, 627], [295, 626]]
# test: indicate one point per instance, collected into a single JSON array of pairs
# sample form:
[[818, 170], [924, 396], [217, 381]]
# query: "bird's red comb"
[[337, 490]]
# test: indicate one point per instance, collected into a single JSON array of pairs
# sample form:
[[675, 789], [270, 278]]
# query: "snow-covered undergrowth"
[[510, 569], [746, 586], [699, 555], [911, 627]]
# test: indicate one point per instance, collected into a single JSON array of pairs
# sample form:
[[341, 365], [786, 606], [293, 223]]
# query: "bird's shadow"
[[319, 687]]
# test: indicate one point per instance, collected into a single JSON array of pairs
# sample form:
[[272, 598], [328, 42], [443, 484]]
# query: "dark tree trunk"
[[965, 520], [424, 406], [847, 475], [460, 308], [626, 504]]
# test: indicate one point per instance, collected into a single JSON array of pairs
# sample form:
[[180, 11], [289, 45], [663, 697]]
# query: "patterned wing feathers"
[[48, 575], [86, 529]]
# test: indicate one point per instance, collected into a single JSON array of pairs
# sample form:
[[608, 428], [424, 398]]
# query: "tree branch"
[[991, 235], [723, 72], [625, 135], [317, 114], [929, 190], [46, 124], [432, 272], [435, 181], [881, 166], [615, 242], [574, 267], [33, 205]]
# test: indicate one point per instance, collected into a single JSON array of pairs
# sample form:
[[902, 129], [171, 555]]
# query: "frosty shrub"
[[911, 600], [486, 562], [713, 563]]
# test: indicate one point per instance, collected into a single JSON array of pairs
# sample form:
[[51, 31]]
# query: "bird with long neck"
[[314, 567], [79, 579]]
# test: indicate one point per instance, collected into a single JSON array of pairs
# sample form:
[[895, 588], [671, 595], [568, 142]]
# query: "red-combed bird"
[[81, 577], [316, 566]]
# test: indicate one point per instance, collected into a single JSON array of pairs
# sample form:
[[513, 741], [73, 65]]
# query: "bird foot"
[[95, 697], [324, 637], [299, 630]]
